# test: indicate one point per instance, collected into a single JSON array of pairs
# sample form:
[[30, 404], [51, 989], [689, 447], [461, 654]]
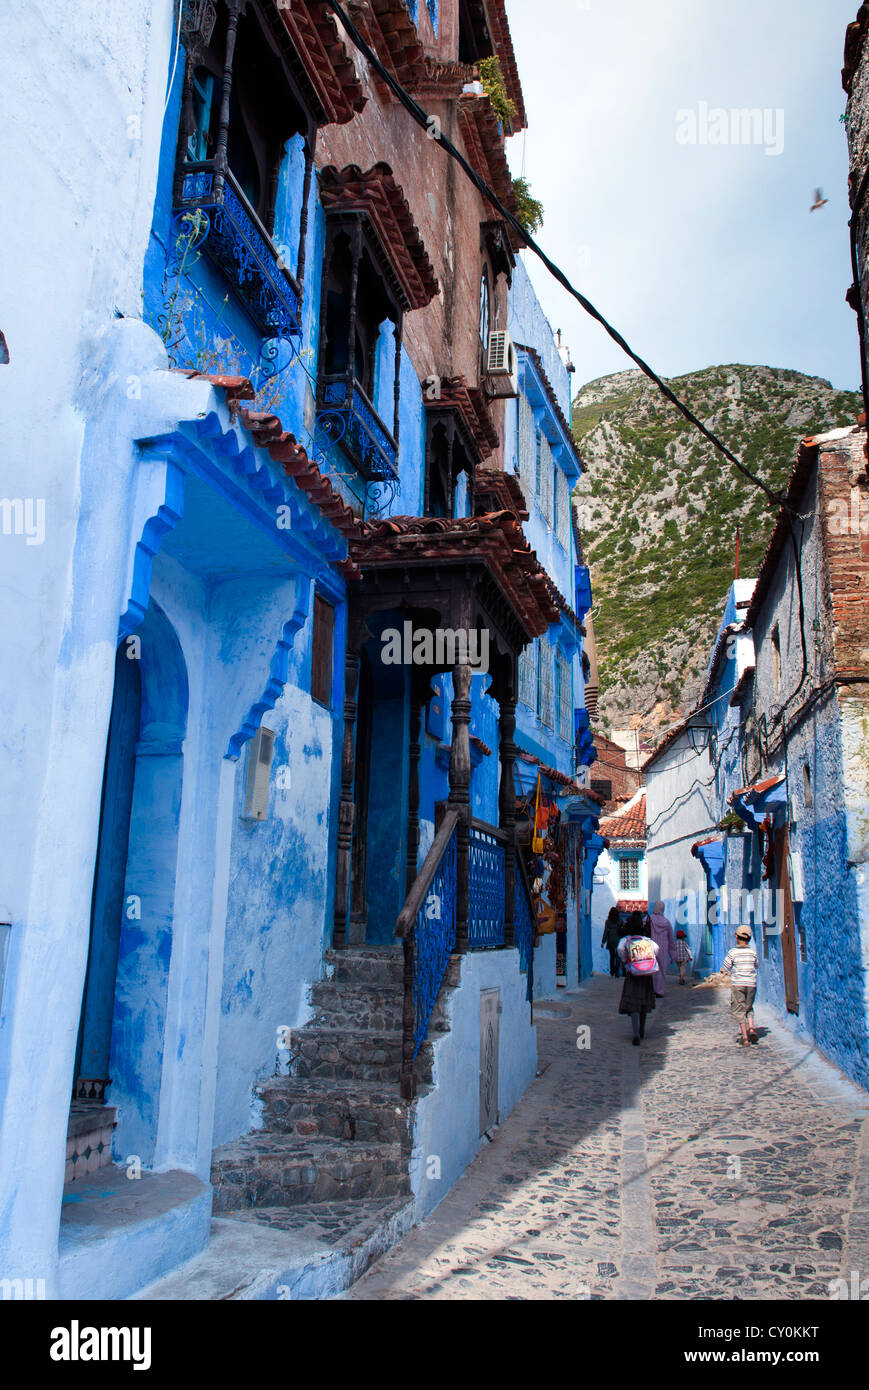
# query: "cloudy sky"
[[700, 254]]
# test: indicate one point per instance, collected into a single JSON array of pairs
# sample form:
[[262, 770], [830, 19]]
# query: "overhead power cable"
[[423, 119]]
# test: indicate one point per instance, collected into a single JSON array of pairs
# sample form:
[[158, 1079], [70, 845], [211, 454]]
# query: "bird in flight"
[[820, 200]]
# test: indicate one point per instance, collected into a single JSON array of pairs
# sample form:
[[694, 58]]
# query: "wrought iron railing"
[[486, 889], [239, 245], [347, 417], [427, 928]]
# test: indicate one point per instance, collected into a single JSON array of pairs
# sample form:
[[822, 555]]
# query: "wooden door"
[[789, 934]]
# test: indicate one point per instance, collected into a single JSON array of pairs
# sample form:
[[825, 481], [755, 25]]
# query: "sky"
[[701, 254]]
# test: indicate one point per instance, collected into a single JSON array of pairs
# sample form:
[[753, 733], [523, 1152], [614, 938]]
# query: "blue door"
[[107, 904]]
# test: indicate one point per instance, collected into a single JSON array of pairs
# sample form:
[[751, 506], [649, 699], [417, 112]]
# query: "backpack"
[[642, 959]]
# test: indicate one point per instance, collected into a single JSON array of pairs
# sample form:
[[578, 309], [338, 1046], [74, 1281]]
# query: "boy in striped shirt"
[[741, 965]]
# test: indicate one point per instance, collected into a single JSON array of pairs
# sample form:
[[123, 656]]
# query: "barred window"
[[526, 448], [562, 509], [629, 876], [545, 691], [545, 471], [563, 699], [528, 676]]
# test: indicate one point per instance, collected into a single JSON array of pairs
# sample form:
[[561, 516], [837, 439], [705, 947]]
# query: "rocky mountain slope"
[[658, 509]]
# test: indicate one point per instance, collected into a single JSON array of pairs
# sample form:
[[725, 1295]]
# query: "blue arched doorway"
[[120, 1045]]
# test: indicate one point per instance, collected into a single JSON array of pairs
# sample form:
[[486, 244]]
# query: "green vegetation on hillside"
[[658, 508]]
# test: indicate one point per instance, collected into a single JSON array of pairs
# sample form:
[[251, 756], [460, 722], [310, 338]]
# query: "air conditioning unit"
[[502, 365]]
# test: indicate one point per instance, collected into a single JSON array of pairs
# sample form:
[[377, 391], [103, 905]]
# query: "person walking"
[[613, 931], [682, 955], [640, 956], [740, 964], [660, 929]]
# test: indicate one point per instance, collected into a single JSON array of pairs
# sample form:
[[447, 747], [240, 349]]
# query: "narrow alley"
[[686, 1169]]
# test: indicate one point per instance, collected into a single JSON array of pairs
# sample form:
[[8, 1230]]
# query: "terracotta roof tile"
[[327, 65], [387, 27], [471, 402], [376, 193], [269, 434], [495, 539], [627, 824]]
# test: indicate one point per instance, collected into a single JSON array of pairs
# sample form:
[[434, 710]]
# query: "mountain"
[[658, 509]]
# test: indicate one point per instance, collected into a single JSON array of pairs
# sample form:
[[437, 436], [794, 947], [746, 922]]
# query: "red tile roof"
[[285, 450], [387, 27], [326, 63], [758, 788], [560, 778], [495, 539], [627, 824], [484, 142], [503, 42], [471, 402], [376, 193]]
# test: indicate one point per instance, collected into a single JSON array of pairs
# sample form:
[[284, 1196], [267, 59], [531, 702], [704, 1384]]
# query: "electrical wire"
[[437, 137], [175, 59]]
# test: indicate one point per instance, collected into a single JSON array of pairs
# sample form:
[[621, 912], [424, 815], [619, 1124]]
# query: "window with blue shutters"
[[528, 676], [545, 685], [563, 698]]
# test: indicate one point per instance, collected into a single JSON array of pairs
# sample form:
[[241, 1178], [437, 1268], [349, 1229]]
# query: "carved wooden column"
[[413, 791], [398, 336], [507, 802], [346, 807], [460, 796], [234, 8], [303, 220]]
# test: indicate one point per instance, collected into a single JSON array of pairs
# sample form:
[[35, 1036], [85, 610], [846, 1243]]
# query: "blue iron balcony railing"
[[239, 245], [486, 891], [347, 417]]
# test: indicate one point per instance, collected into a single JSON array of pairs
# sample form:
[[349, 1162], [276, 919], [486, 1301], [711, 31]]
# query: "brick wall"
[[443, 338], [611, 769], [855, 80], [843, 496]]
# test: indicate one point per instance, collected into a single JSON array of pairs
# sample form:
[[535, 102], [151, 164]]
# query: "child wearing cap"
[[682, 955], [741, 965]]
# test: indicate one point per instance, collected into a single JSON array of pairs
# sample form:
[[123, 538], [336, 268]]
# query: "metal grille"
[[434, 940], [545, 691], [629, 875], [526, 448], [486, 893], [528, 676], [564, 701], [546, 476], [562, 486]]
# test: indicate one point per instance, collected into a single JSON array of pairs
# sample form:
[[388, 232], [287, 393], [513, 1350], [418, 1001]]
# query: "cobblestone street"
[[687, 1168]]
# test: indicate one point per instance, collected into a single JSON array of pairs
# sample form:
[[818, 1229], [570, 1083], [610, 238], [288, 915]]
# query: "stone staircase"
[[334, 1155]]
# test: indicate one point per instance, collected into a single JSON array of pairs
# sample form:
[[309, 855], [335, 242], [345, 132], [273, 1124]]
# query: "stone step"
[[286, 1170], [342, 1004], [334, 1110], [368, 965], [352, 1054]]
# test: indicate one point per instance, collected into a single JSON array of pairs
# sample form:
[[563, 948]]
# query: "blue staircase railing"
[[486, 889], [427, 928]]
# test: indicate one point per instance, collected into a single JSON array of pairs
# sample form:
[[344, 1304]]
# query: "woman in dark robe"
[[640, 956]]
